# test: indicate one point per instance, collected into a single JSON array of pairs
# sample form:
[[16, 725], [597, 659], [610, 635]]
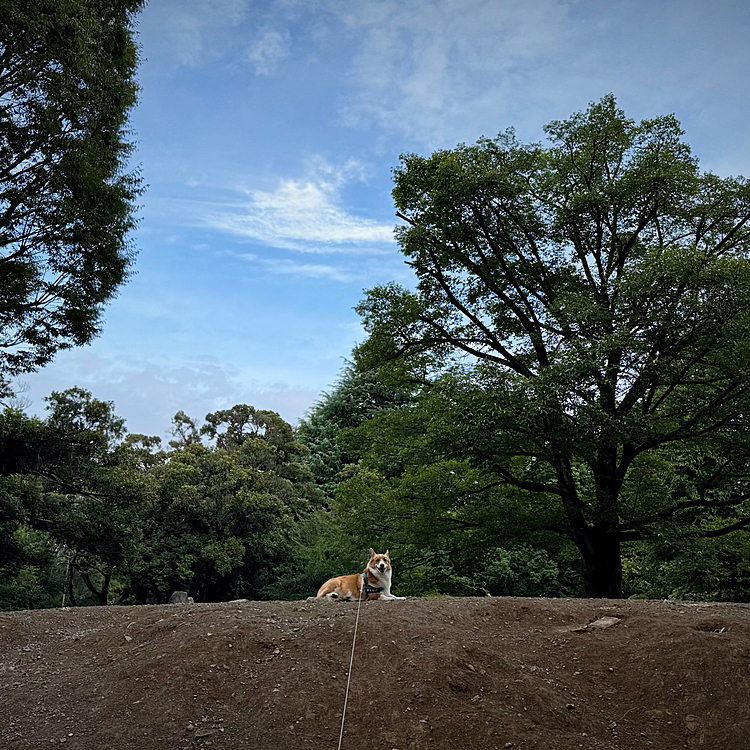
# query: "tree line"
[[245, 506], [557, 405], [94, 515]]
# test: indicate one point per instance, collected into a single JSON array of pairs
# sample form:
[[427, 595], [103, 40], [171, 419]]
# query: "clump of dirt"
[[510, 673]]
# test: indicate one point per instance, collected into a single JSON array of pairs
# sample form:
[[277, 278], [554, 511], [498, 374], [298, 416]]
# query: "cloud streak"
[[428, 68], [306, 215], [320, 271], [268, 49]]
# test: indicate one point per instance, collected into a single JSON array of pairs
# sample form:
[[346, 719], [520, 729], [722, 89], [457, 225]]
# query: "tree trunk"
[[602, 555], [102, 595], [598, 543], [602, 538], [205, 586], [71, 592]]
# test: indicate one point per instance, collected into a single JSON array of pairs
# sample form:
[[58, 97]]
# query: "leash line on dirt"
[[351, 661]]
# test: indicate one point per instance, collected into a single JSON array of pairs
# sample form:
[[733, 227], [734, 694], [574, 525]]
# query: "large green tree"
[[225, 510], [66, 198], [73, 489], [581, 308]]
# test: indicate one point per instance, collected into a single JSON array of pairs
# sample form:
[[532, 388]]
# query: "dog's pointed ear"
[[386, 553], [372, 552]]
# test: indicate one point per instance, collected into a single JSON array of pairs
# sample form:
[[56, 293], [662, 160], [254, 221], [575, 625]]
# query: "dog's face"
[[379, 562]]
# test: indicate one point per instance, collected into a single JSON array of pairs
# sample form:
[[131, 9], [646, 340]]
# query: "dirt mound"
[[526, 674]]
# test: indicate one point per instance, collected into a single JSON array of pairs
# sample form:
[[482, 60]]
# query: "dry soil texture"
[[523, 674]]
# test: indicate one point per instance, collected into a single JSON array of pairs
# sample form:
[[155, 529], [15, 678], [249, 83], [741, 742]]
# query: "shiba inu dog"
[[373, 583]]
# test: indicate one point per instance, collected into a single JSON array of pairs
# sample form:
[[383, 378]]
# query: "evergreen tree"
[[67, 85]]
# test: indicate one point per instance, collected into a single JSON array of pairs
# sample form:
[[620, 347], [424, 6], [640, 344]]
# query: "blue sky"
[[267, 132]]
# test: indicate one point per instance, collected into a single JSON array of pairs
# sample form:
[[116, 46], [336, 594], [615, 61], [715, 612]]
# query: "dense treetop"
[[66, 198], [582, 303]]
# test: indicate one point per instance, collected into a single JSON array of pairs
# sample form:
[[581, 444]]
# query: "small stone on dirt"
[[604, 622], [692, 723]]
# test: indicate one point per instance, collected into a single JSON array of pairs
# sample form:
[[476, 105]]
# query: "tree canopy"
[[356, 398], [92, 514], [67, 84], [581, 308]]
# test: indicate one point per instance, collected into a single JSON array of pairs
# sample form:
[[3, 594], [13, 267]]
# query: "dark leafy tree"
[[66, 200], [75, 481], [225, 511], [97, 490], [184, 430], [356, 398], [99, 516], [590, 301]]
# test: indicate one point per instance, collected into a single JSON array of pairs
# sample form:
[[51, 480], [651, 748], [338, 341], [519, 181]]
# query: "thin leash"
[[351, 661]]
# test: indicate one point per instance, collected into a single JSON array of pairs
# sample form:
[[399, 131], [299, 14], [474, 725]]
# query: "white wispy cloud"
[[304, 214], [345, 270], [189, 32], [442, 71], [428, 67], [269, 48], [324, 271], [418, 67]]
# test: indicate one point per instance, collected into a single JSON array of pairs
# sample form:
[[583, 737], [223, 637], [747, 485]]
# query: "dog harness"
[[366, 586]]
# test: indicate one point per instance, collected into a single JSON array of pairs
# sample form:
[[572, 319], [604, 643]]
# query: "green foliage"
[[228, 516], [320, 547], [579, 308], [439, 515], [34, 579], [357, 397], [66, 202], [225, 512], [520, 572], [73, 479], [24, 590], [691, 566], [94, 515], [70, 485], [91, 515]]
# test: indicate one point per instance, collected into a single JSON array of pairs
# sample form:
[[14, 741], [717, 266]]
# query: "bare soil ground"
[[526, 674]]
